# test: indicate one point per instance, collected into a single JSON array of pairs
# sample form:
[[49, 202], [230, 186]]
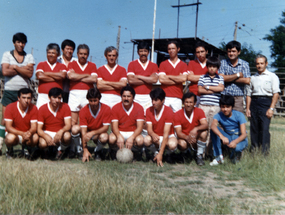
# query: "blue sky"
[[95, 23]]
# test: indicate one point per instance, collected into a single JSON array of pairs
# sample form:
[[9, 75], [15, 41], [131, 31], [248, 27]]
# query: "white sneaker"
[[217, 161]]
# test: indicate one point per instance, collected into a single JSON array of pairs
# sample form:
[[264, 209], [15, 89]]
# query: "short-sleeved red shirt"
[[165, 117], [21, 121], [187, 124], [94, 122], [53, 121], [127, 119]]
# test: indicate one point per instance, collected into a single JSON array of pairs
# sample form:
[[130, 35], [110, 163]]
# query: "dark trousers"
[[259, 123]]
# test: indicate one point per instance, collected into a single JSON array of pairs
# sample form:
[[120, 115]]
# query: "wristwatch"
[[271, 108], [238, 75], [207, 87]]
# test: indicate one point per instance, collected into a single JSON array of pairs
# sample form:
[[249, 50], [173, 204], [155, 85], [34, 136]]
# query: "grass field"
[[255, 185]]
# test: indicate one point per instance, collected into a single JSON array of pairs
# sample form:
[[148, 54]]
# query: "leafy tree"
[[247, 53], [276, 37]]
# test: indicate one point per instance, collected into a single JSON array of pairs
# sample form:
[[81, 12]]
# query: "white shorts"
[[110, 99], [174, 103], [50, 133], [77, 100], [144, 100], [161, 138], [19, 137], [126, 134], [42, 99]]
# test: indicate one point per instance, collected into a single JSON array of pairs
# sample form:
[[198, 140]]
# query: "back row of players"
[[111, 78]]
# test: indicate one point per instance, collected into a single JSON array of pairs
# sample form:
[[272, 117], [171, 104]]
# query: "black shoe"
[[137, 156], [26, 153], [112, 154], [97, 156], [71, 154], [9, 152], [186, 156], [59, 155], [200, 161]]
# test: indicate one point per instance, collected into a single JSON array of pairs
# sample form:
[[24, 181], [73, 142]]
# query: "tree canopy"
[[277, 38]]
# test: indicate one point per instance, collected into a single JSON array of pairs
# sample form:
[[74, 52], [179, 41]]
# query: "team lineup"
[[78, 102]]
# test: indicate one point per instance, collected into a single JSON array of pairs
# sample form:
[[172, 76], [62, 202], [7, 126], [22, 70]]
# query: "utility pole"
[[235, 32], [118, 41], [32, 52], [153, 31], [186, 5]]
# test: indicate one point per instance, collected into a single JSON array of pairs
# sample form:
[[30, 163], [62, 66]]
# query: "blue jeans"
[[217, 147]]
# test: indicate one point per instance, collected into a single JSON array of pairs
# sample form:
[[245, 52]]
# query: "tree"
[[247, 53], [276, 37]]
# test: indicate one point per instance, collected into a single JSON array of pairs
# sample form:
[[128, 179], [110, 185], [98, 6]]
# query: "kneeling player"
[[54, 122], [127, 122], [94, 123], [233, 135], [191, 127], [159, 119], [21, 123]]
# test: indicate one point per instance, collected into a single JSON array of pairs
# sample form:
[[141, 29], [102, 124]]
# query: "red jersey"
[[137, 68], [53, 121], [118, 73], [94, 122], [167, 68], [45, 66], [21, 121], [165, 117], [127, 119], [187, 124], [197, 69], [89, 68]]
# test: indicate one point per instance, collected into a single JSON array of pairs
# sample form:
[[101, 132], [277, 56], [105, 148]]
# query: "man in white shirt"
[[261, 99]]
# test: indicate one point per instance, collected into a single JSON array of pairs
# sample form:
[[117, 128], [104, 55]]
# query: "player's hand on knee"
[[232, 144], [58, 136], [87, 137], [129, 143]]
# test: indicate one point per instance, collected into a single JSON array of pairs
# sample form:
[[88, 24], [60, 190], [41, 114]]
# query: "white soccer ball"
[[125, 155]]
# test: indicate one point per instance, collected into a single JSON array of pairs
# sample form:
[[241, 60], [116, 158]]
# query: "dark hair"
[[233, 44], [24, 91], [109, 49], [200, 44], [20, 37], [213, 61], [174, 42], [157, 93], [227, 100], [53, 46], [83, 46], [93, 93], [143, 45], [67, 43], [189, 95], [128, 88], [55, 92]]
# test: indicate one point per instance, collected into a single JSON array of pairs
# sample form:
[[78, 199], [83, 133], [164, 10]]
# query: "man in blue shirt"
[[233, 131], [236, 74]]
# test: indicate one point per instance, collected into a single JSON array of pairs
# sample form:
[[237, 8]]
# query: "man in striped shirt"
[[210, 87]]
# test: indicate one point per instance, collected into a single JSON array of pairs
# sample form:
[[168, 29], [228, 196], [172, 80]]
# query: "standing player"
[[261, 99], [159, 120], [21, 123], [67, 48], [54, 122], [142, 73], [172, 74], [191, 126], [127, 122], [111, 78], [50, 74], [94, 124], [197, 68], [17, 68], [82, 75], [236, 74]]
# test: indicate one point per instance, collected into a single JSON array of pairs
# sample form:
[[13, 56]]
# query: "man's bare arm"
[[58, 76], [193, 78], [7, 70], [178, 78], [148, 79], [164, 79], [91, 79], [43, 77], [11, 129], [25, 71]]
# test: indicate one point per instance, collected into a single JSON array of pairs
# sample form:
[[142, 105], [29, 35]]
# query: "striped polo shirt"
[[206, 80]]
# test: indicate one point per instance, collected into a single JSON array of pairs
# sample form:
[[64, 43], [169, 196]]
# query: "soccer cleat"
[[59, 155], [97, 156], [217, 161], [9, 153], [200, 161]]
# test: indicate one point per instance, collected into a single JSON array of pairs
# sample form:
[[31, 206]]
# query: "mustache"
[[126, 101]]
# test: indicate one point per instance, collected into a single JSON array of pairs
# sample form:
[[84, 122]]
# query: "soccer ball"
[[125, 155]]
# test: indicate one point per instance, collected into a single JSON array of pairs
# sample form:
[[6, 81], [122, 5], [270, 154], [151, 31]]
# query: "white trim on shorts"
[[144, 100], [19, 136], [126, 134], [77, 100]]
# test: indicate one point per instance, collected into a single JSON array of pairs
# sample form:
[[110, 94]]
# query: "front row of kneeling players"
[[185, 129]]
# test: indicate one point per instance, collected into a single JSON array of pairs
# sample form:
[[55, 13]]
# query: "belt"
[[261, 97]]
